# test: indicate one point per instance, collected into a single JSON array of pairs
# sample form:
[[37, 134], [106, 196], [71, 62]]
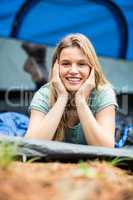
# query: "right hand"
[[60, 88]]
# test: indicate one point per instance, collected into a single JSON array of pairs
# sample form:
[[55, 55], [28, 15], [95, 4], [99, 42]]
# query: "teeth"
[[73, 79]]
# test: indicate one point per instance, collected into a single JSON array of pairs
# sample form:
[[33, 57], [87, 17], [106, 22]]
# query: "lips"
[[73, 80]]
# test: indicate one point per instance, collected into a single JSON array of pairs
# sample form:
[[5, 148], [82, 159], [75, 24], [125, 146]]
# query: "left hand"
[[87, 87]]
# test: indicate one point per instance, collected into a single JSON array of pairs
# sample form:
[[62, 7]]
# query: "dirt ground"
[[58, 181]]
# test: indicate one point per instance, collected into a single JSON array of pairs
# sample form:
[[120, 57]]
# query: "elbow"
[[109, 140], [110, 143], [38, 135], [28, 135]]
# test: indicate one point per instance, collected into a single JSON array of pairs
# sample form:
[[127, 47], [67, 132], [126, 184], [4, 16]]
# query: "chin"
[[72, 89]]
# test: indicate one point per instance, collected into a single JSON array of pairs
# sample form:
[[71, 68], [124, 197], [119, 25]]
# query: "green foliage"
[[87, 171], [7, 154], [119, 161], [32, 160]]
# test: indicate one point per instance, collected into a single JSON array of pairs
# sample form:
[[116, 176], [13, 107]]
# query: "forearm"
[[47, 126], [94, 132]]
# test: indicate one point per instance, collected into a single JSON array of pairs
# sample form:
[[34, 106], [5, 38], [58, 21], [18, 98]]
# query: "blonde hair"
[[82, 42]]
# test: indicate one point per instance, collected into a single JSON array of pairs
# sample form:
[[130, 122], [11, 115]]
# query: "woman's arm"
[[100, 130], [43, 126]]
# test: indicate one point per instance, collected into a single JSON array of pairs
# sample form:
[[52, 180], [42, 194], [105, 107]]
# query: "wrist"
[[63, 97], [79, 97], [80, 100]]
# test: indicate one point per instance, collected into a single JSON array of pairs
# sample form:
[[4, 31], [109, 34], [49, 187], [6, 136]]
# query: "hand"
[[87, 87], [60, 88]]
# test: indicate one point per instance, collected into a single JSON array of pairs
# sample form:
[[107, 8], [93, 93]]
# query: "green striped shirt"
[[99, 99]]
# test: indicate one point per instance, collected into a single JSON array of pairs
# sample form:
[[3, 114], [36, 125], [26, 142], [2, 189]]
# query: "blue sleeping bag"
[[13, 124]]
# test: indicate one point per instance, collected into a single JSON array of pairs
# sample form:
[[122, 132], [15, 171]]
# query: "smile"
[[73, 80]]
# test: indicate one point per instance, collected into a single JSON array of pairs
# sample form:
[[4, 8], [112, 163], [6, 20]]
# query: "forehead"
[[72, 53]]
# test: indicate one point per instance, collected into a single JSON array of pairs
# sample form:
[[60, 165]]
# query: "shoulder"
[[103, 96], [42, 93], [44, 90], [104, 90], [40, 99]]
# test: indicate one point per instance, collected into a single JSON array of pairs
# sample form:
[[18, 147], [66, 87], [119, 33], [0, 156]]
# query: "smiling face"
[[74, 68]]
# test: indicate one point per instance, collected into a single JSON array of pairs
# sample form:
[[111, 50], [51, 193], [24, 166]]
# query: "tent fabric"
[[47, 21]]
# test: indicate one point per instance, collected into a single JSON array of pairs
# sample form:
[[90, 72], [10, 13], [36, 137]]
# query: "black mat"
[[66, 152]]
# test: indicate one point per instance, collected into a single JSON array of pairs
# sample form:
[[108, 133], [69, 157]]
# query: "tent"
[[107, 23]]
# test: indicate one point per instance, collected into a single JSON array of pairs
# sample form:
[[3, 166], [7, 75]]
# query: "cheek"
[[62, 72], [87, 73]]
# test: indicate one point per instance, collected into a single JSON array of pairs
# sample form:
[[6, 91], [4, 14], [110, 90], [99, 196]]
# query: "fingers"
[[57, 82], [90, 82], [92, 74], [91, 77], [56, 69]]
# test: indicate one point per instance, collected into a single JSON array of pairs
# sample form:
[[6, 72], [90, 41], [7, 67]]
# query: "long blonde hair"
[[82, 42]]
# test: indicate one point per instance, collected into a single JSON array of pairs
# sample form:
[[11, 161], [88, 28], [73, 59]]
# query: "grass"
[[119, 161], [7, 154], [32, 160], [87, 171], [90, 172]]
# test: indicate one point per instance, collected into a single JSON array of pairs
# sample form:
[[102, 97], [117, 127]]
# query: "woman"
[[78, 104]]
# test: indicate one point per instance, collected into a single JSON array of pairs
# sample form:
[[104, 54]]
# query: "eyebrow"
[[64, 60], [83, 60], [80, 60]]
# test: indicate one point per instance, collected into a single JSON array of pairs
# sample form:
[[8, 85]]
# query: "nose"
[[73, 69]]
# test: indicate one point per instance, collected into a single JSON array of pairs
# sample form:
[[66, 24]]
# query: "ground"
[[58, 181]]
